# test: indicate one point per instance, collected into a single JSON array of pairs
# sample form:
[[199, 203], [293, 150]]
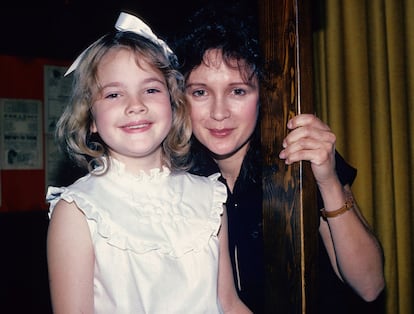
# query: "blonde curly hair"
[[73, 128]]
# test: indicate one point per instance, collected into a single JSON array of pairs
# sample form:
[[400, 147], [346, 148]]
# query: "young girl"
[[137, 234]]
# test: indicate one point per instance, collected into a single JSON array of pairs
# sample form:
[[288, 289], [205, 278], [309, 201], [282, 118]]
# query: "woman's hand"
[[355, 253], [312, 140]]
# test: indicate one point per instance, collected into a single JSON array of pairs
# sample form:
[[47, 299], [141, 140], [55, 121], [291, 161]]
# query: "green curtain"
[[364, 78]]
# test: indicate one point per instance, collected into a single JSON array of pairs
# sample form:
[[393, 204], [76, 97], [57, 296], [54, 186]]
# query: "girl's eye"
[[152, 90], [112, 95], [199, 93]]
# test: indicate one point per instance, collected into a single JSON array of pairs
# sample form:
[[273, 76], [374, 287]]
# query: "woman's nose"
[[219, 109]]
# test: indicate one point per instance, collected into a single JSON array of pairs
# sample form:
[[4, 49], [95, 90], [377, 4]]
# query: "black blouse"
[[244, 208]]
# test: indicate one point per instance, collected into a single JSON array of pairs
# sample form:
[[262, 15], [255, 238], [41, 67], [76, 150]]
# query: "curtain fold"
[[364, 76]]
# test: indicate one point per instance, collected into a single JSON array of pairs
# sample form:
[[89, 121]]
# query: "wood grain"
[[289, 192]]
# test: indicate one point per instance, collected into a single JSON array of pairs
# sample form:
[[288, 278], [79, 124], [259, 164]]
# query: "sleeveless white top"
[[154, 236]]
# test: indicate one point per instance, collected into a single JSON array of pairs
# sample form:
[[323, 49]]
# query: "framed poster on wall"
[[21, 141]]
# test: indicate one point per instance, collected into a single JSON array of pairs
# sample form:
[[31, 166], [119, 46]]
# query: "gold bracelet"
[[349, 203]]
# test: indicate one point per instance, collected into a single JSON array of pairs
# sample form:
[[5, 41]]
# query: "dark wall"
[[63, 28], [24, 286]]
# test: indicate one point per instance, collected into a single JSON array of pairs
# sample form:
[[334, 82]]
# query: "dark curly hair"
[[229, 28], [232, 29]]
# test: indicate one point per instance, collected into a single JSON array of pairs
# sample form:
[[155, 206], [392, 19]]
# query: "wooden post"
[[289, 192]]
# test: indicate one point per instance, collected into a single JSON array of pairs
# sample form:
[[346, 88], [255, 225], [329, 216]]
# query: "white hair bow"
[[127, 22]]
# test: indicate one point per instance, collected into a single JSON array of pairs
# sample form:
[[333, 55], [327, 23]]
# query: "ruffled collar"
[[117, 168]]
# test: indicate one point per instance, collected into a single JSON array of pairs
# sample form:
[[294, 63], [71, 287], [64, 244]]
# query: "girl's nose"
[[136, 105]]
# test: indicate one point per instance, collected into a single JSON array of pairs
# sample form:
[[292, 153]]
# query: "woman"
[[222, 66]]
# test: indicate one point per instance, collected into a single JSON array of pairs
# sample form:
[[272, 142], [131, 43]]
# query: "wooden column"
[[289, 192]]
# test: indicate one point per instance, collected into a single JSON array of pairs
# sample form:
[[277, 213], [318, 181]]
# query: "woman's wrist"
[[349, 204], [334, 195]]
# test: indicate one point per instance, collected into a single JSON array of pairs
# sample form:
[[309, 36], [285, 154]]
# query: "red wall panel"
[[22, 78]]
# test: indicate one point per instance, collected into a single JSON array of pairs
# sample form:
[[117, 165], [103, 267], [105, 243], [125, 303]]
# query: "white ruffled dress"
[[155, 239]]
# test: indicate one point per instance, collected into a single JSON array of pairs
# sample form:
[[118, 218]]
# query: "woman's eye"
[[239, 91]]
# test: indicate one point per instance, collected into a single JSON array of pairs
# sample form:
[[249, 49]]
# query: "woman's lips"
[[220, 132]]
